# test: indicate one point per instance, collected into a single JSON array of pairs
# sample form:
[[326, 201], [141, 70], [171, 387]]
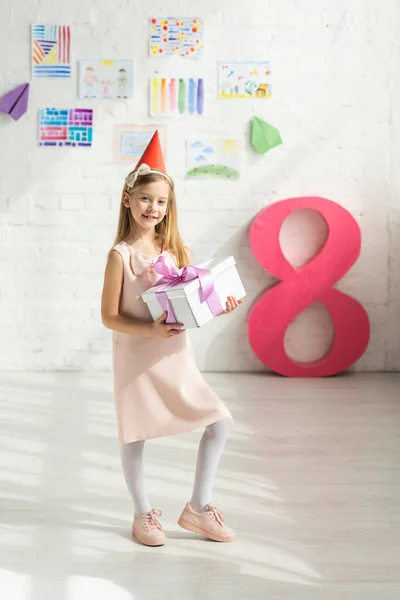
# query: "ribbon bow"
[[130, 180], [172, 277], [140, 263], [144, 169]]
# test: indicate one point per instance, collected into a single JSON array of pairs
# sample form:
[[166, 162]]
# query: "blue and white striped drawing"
[[51, 56]]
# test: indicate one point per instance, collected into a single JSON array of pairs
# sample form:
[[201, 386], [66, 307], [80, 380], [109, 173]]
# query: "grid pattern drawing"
[[66, 127]]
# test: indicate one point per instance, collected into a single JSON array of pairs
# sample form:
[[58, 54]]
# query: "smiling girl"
[[158, 388]]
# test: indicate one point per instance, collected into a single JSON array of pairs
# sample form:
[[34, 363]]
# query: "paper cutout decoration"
[[130, 141], [299, 288], [66, 127], [213, 158], [244, 80], [15, 103], [176, 96], [264, 136], [177, 36], [51, 51], [106, 79]]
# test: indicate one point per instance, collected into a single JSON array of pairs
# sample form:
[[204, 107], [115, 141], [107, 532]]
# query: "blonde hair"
[[167, 230]]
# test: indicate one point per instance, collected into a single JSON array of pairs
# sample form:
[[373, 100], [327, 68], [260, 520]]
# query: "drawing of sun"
[[229, 147]]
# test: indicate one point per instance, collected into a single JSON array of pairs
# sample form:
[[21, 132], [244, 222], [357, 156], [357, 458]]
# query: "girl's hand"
[[161, 329], [231, 304]]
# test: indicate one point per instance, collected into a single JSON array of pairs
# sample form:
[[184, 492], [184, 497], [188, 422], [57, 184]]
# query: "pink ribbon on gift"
[[172, 276]]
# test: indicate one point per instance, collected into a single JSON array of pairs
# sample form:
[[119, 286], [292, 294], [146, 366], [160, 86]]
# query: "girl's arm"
[[110, 300]]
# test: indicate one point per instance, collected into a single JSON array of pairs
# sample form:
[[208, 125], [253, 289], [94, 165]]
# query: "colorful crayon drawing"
[[176, 96], [213, 158], [106, 79], [66, 127], [244, 80], [130, 141], [177, 36], [51, 56]]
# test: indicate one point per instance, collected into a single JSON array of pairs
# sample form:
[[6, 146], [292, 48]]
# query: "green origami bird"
[[264, 136]]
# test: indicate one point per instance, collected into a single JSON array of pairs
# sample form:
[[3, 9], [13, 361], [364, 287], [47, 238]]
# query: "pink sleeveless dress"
[[158, 388]]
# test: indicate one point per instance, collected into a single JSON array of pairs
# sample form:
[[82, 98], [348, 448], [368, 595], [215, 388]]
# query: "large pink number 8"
[[299, 288]]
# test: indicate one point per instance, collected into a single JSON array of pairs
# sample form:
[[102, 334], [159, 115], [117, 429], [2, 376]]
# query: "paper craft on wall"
[[176, 96], [264, 136], [244, 79], [213, 158], [51, 51], [15, 103], [66, 127], [130, 141], [105, 79], [176, 36]]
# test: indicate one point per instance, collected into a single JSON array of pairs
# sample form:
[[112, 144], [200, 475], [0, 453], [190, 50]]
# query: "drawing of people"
[[122, 84], [90, 80], [105, 88]]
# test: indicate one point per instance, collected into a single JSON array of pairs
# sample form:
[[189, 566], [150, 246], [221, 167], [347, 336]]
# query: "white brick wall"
[[335, 100]]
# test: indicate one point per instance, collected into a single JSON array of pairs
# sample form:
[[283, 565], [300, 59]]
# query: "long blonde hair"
[[167, 230]]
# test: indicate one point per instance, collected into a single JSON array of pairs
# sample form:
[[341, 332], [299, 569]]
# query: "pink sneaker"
[[148, 530], [209, 524]]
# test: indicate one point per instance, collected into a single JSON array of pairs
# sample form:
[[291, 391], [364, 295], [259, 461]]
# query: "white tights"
[[210, 450]]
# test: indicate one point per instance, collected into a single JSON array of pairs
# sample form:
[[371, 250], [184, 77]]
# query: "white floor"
[[310, 480]]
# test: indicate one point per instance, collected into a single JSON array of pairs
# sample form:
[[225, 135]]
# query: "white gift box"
[[185, 298]]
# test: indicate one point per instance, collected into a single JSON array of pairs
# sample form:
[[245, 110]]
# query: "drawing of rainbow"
[[176, 96]]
